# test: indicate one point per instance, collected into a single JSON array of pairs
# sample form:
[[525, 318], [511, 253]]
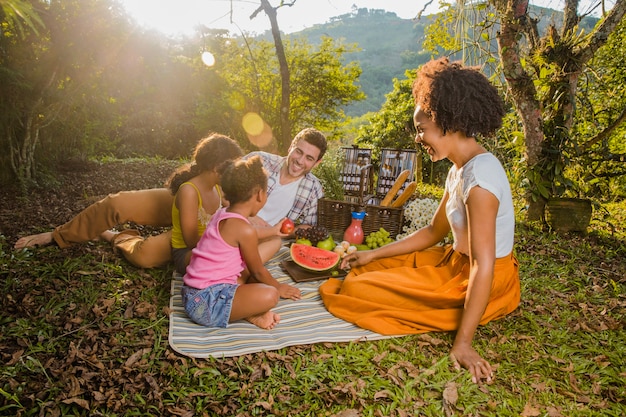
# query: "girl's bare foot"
[[108, 235], [41, 239], [265, 320]]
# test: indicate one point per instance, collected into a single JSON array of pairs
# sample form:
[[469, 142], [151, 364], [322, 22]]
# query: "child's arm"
[[265, 230], [249, 245]]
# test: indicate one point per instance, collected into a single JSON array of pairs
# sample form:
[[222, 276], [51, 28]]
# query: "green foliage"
[[78, 90], [439, 39], [328, 171], [392, 126], [20, 14], [325, 85], [600, 105], [426, 190], [47, 82], [320, 83]]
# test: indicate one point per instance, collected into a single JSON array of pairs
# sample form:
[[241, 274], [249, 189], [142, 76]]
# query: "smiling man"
[[293, 191]]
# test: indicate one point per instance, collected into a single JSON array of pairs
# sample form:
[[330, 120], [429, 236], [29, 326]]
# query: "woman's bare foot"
[[108, 235], [265, 321], [41, 239]]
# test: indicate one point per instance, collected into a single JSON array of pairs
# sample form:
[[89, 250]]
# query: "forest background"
[[85, 82]]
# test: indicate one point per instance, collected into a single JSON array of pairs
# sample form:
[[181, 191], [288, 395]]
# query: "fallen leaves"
[[136, 357], [530, 411], [450, 397], [85, 333]]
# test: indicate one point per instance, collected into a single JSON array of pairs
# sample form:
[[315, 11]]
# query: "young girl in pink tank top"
[[226, 280]]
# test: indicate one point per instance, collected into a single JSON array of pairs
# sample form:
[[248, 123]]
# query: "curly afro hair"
[[242, 178], [458, 98]]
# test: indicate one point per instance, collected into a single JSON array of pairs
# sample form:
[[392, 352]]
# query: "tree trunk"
[[546, 124], [284, 133], [523, 93], [23, 143]]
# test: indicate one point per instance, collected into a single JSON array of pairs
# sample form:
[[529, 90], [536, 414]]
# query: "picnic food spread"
[[313, 234], [405, 195]]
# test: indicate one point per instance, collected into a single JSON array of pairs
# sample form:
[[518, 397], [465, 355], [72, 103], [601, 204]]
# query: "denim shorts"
[[209, 306]]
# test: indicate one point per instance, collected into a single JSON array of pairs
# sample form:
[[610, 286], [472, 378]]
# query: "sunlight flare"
[[258, 131], [208, 58]]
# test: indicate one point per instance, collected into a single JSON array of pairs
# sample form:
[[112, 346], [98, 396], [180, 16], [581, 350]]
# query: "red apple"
[[287, 227]]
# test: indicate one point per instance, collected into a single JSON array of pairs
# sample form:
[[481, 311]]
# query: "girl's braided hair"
[[210, 153]]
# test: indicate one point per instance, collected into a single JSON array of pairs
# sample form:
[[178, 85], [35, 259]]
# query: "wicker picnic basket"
[[336, 215]]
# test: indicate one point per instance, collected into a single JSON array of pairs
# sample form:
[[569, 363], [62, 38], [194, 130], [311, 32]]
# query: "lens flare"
[[259, 133], [252, 123], [208, 59]]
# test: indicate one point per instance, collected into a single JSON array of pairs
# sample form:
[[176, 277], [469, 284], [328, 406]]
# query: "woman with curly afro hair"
[[415, 285]]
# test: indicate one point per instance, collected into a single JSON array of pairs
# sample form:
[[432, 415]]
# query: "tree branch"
[[601, 33], [606, 132]]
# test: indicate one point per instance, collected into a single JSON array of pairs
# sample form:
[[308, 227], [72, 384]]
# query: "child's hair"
[[242, 178], [210, 153], [314, 137], [458, 98]]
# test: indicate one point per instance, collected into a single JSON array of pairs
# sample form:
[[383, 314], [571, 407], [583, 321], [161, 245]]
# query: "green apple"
[[327, 244]]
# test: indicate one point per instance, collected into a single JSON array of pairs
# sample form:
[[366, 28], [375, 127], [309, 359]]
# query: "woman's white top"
[[485, 171]]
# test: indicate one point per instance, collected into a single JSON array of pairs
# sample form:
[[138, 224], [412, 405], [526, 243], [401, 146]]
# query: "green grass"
[[84, 333]]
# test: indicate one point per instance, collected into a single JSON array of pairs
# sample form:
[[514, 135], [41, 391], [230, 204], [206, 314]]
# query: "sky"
[[180, 16]]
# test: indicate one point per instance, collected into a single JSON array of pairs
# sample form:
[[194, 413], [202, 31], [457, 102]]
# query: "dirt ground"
[[78, 185]]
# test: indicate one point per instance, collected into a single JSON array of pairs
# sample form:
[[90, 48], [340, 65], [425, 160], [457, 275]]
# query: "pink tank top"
[[213, 261]]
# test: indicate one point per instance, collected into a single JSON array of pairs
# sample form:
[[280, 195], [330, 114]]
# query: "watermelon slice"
[[313, 258]]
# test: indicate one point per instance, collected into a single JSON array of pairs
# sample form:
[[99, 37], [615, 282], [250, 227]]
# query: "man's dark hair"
[[314, 137]]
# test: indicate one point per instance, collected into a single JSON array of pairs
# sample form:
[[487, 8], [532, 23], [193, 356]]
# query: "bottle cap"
[[359, 215]]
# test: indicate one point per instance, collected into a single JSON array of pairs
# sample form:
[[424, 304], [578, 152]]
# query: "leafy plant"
[[328, 172]]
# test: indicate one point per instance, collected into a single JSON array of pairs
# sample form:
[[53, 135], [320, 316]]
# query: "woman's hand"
[[357, 258], [289, 291], [469, 359]]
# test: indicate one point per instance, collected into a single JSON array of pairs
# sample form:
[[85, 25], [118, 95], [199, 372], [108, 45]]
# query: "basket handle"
[[365, 169]]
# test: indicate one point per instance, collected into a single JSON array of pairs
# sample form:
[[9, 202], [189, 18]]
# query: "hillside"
[[389, 45]]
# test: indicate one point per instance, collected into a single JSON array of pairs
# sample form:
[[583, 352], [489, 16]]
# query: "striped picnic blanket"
[[302, 322]]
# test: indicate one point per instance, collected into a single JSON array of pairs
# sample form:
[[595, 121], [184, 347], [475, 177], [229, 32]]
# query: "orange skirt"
[[418, 292]]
